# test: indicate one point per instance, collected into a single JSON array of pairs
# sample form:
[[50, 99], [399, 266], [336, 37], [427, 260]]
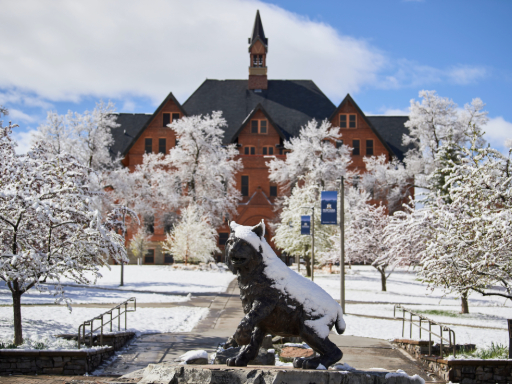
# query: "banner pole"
[[342, 245]]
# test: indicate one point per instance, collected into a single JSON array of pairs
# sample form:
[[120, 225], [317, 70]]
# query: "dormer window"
[[259, 126], [348, 120]]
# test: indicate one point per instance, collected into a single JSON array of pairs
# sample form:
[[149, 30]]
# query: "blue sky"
[[66, 55]]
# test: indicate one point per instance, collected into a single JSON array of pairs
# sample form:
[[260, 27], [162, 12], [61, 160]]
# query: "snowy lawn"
[[149, 283], [42, 321], [363, 285]]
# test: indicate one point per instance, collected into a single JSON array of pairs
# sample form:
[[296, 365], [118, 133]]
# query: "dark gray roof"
[[125, 135], [290, 103], [257, 31], [392, 129]]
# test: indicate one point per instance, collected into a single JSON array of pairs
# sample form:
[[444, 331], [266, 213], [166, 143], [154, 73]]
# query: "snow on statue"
[[279, 301]]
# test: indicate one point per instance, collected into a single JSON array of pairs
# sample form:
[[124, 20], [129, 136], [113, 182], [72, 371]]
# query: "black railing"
[[418, 323], [90, 323]]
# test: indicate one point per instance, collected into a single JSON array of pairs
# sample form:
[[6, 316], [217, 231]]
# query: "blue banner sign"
[[329, 207], [305, 225]]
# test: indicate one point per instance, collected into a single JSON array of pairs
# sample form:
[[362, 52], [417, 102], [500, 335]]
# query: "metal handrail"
[[81, 327], [431, 322]]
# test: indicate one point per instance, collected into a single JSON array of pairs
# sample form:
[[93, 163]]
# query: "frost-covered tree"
[[471, 247], [431, 124], [204, 166], [49, 228], [287, 231], [193, 237], [57, 134], [315, 154], [139, 243], [365, 232], [85, 135]]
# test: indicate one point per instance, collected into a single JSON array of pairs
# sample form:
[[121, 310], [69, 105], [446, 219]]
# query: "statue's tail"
[[340, 323]]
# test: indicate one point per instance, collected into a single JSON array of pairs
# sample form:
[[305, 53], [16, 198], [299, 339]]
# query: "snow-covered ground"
[[363, 286], [149, 284]]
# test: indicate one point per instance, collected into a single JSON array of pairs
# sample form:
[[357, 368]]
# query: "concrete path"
[[225, 314]]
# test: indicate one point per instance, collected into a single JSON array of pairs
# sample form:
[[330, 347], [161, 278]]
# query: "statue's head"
[[243, 252]]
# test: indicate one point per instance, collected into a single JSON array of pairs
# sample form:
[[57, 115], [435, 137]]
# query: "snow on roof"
[[316, 302]]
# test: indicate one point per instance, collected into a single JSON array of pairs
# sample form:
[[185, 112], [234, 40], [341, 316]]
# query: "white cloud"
[[24, 140], [395, 111], [128, 106], [498, 130], [17, 116], [466, 74], [63, 50], [407, 73]]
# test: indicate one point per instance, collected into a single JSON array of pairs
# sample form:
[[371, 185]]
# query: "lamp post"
[[312, 242], [342, 243]]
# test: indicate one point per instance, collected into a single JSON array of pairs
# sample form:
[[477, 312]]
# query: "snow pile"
[[193, 355], [401, 373], [316, 302], [342, 367]]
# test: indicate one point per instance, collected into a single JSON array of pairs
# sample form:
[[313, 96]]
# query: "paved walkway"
[[224, 315]]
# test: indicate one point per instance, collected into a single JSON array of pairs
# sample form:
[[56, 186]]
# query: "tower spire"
[[258, 47]]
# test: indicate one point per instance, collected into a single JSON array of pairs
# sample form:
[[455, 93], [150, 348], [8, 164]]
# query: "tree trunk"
[[308, 266], [383, 279], [464, 303], [16, 307]]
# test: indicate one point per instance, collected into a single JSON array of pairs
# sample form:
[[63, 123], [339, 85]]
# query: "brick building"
[[261, 114]]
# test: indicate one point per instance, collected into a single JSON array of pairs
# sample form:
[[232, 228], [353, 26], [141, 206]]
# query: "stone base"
[[206, 374]]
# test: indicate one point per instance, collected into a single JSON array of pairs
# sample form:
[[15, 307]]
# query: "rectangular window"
[[249, 150], [167, 119], [253, 150], [343, 121], [356, 145], [149, 258], [246, 150], [339, 143], [175, 116], [168, 259], [263, 126], [148, 146], [273, 191], [245, 186], [259, 126], [369, 147], [161, 146], [254, 126], [270, 150], [223, 237], [264, 150], [348, 120], [352, 121]]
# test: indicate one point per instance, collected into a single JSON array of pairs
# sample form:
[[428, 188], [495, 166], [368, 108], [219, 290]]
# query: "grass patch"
[[495, 351], [439, 312]]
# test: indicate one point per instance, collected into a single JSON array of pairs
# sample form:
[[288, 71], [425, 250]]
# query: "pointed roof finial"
[[257, 31]]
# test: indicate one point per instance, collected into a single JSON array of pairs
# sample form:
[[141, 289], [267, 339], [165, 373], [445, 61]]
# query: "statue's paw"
[[297, 362], [236, 362], [231, 362], [311, 363]]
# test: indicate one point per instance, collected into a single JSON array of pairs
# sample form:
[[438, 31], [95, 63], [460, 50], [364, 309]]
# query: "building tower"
[[258, 47]]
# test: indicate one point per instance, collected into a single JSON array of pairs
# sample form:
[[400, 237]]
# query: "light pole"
[[342, 243], [312, 242]]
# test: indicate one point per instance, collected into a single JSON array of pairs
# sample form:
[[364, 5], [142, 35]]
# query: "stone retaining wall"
[[78, 362], [460, 371]]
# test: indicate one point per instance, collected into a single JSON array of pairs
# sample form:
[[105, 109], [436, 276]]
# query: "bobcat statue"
[[278, 301]]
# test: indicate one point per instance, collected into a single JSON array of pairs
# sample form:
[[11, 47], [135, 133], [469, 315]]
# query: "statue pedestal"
[[206, 374]]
